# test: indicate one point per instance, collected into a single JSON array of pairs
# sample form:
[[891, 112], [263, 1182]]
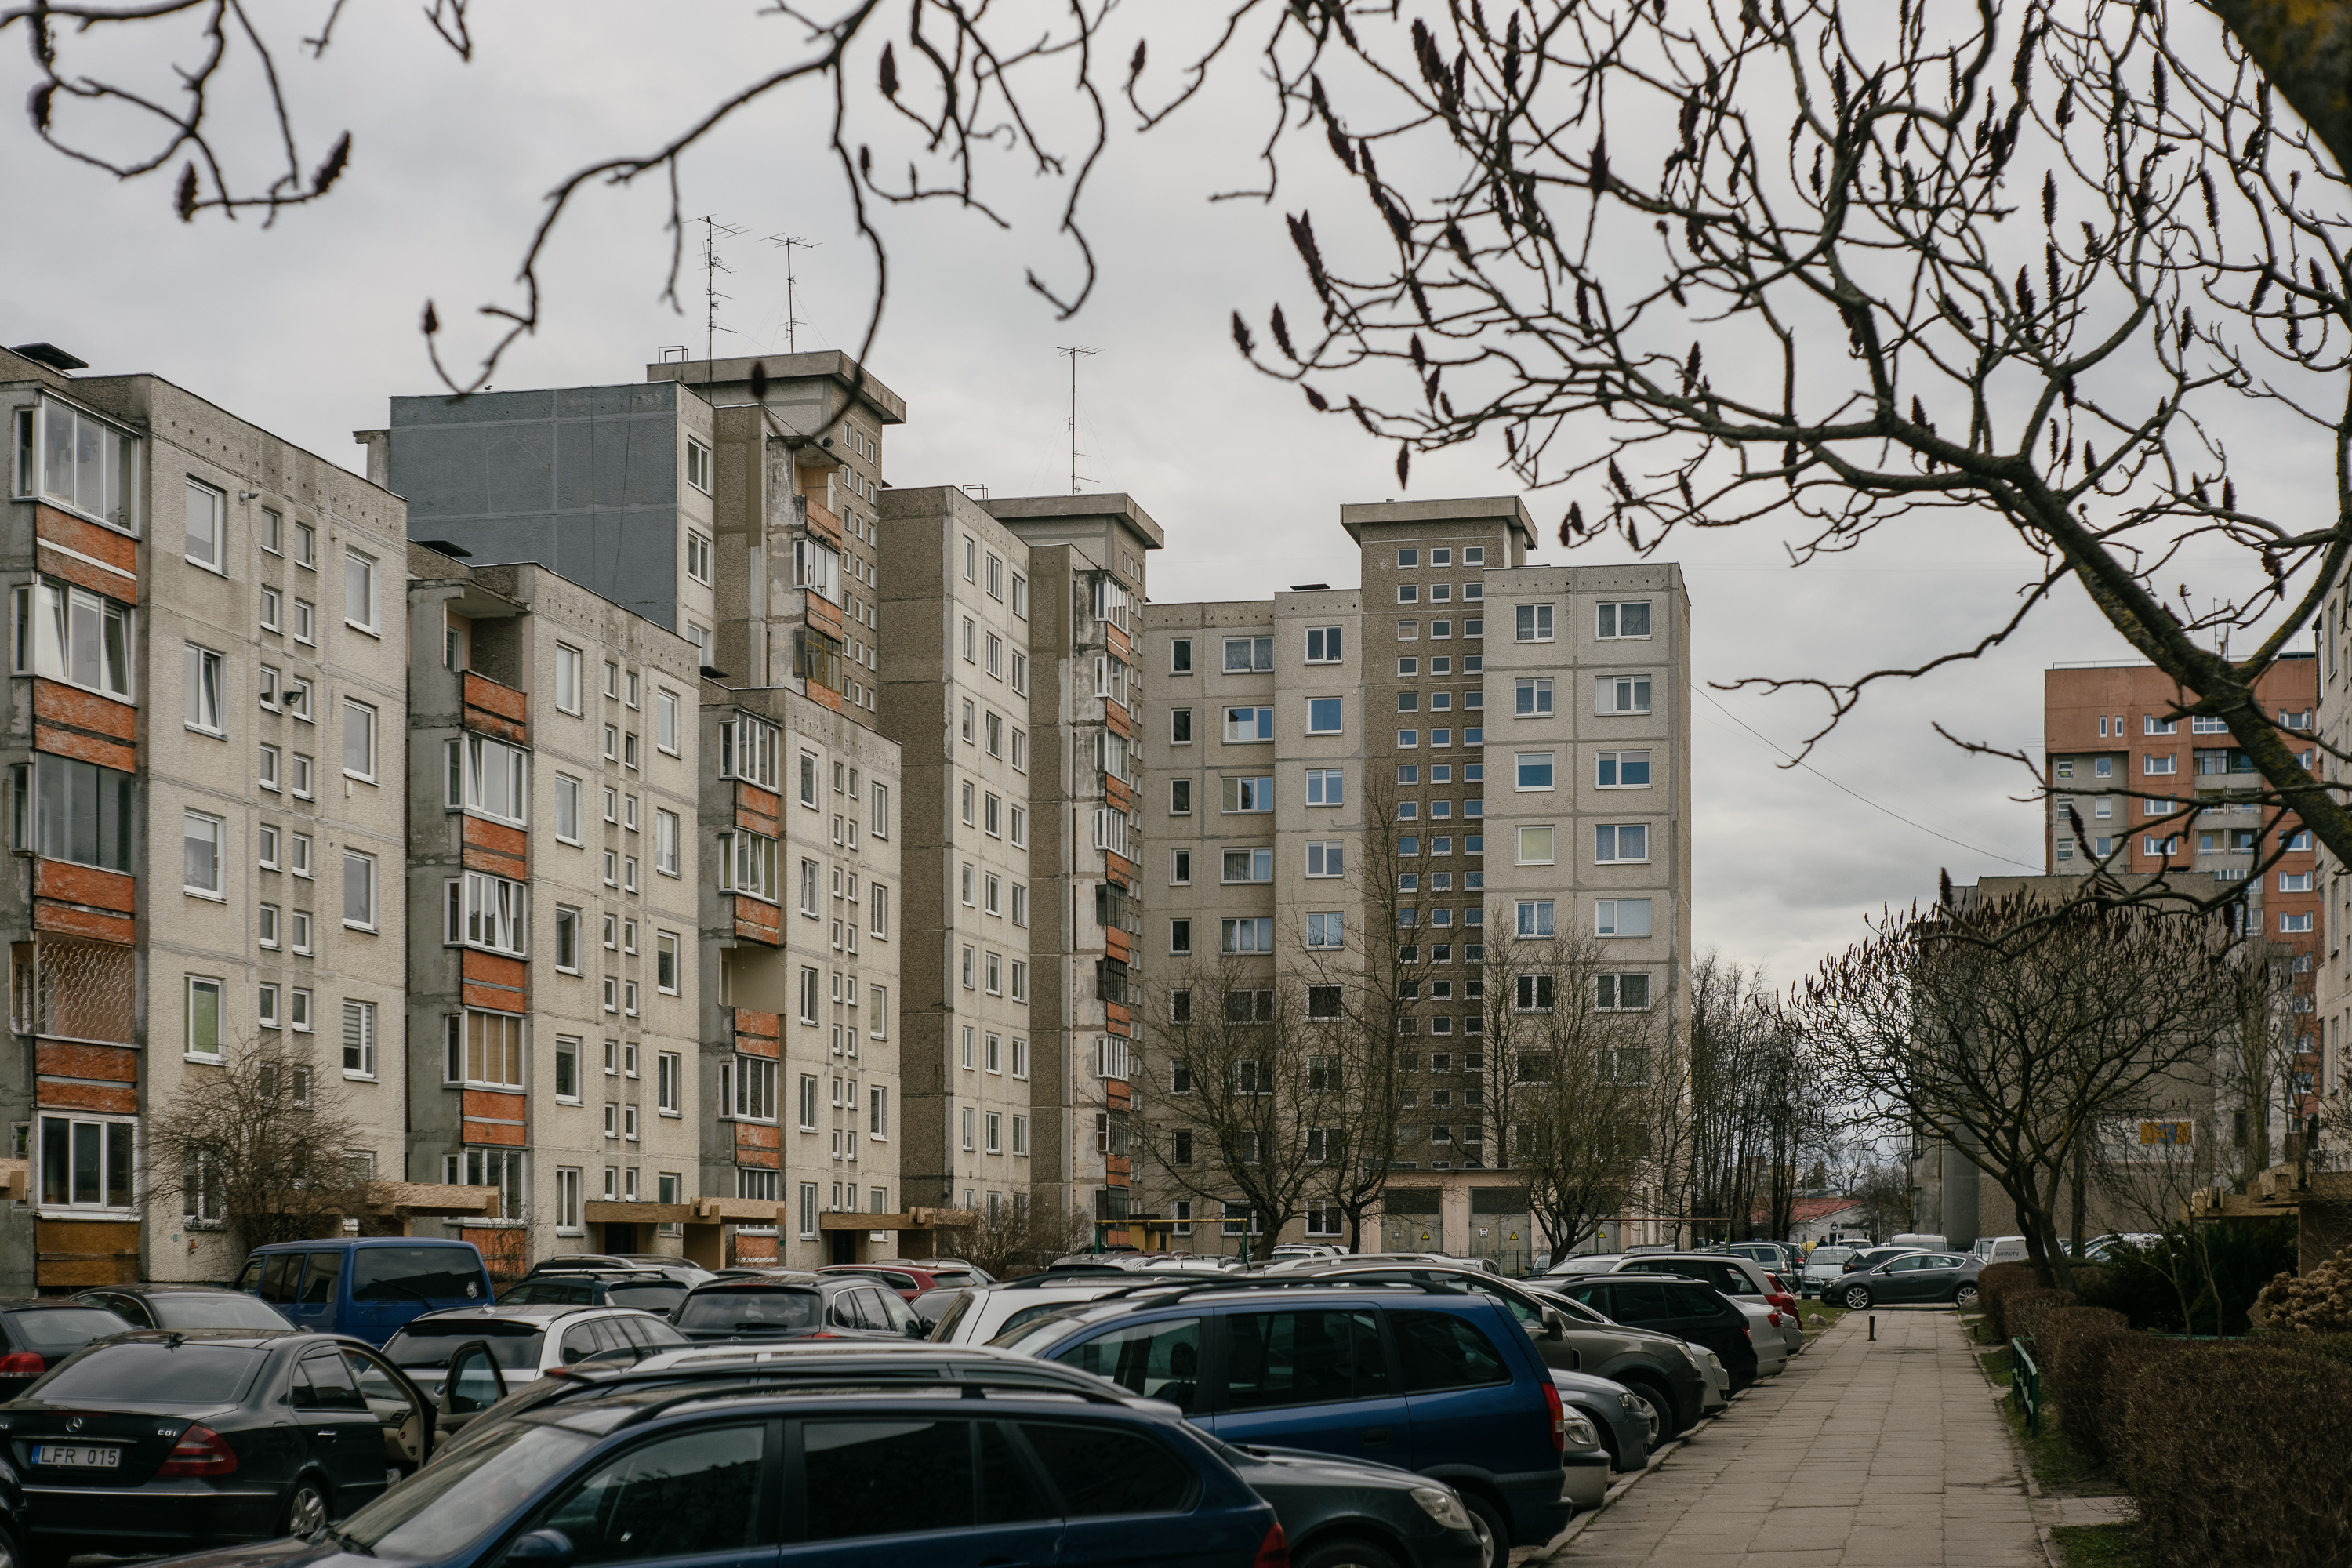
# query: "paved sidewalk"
[[1862, 1455]]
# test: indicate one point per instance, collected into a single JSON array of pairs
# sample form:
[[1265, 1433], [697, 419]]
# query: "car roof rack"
[[968, 1369]]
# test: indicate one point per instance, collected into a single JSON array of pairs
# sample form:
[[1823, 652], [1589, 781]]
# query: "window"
[[489, 776], [878, 1112], [1533, 918], [1327, 857], [747, 750], [359, 741], [78, 811], [1630, 992], [1532, 993], [1245, 725], [359, 1039], [1326, 787], [1248, 866], [1533, 697], [270, 613], [1623, 770], [74, 635], [1622, 694], [359, 590], [207, 521], [1621, 841], [1245, 655], [1621, 917], [698, 556], [298, 854], [1180, 937], [665, 721], [1247, 795], [1326, 931], [203, 680], [1533, 770], [493, 912], [359, 889], [1245, 935], [2292, 924], [1534, 847], [204, 1025], [1323, 645], [202, 835], [1624, 619], [1323, 715], [1408, 593], [2294, 881], [79, 462], [879, 823], [88, 1162], [1534, 622], [747, 864]]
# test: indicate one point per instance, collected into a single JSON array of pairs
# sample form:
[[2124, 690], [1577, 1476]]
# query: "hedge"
[[1994, 1284], [2106, 1370], [2238, 1457], [2021, 1311], [2069, 1346]]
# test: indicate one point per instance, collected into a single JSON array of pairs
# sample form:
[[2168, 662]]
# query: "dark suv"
[[1442, 1383], [818, 1306], [648, 1289], [1687, 1309]]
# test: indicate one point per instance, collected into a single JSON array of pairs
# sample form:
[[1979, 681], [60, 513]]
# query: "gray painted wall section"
[[581, 480]]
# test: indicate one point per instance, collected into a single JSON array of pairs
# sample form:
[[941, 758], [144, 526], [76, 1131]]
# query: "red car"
[[909, 1282]]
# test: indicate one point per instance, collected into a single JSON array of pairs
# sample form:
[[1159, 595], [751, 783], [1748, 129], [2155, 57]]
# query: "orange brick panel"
[[60, 742], [490, 969], [751, 1155], [63, 704], [1120, 945], [496, 998], [116, 1064], [767, 1026], [111, 1101], [759, 921], [504, 700], [1116, 717], [755, 1249], [751, 821], [86, 885], [81, 1274], [751, 797], [821, 522], [825, 696], [825, 615], [495, 1105], [496, 837], [58, 918], [1117, 792], [494, 1132], [89, 539], [1119, 866], [753, 1046], [1117, 1094]]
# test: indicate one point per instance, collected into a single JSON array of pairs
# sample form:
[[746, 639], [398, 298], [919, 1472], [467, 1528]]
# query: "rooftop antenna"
[[711, 267], [1074, 351], [792, 316]]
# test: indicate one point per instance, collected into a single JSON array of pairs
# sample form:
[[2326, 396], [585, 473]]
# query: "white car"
[[1825, 1266], [989, 1310], [526, 1342], [1776, 1335]]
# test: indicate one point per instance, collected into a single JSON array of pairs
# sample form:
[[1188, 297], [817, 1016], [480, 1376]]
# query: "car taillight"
[[1747, 1333], [1773, 1317], [22, 1364], [1274, 1552], [201, 1451], [1558, 1416]]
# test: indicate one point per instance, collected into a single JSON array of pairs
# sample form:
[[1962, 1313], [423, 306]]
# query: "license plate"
[[81, 1453]]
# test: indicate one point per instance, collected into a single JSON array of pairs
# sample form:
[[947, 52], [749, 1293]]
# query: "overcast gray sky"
[[308, 327]]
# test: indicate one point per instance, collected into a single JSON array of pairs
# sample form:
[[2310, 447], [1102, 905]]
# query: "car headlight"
[[1579, 1433], [1690, 1355], [1628, 1402], [1442, 1506]]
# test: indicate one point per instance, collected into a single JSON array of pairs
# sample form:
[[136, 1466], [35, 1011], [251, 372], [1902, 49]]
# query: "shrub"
[[2063, 1341], [1994, 1284], [2241, 1457], [2105, 1367], [2317, 1302], [2218, 1268], [2022, 1309]]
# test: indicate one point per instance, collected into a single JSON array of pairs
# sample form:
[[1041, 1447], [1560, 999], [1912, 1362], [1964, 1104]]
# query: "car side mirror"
[[544, 1548], [1555, 1322]]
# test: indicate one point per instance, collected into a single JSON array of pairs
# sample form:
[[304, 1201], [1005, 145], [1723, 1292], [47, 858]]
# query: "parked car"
[[830, 1306], [1714, 1385], [2105, 1246], [1014, 1471], [1912, 1276], [1919, 1241], [1767, 1330], [42, 1330], [2001, 1248], [1657, 1371], [1686, 1308], [1742, 1278], [905, 1278], [1777, 1257], [1442, 1383], [184, 1307], [1585, 1263], [514, 1344], [1825, 1266], [1331, 1510], [678, 1268], [365, 1287], [992, 1310], [646, 1290], [169, 1440], [946, 1270], [1873, 1257], [933, 1305]]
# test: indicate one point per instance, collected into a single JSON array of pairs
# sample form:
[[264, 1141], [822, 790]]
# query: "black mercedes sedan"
[[186, 1306], [160, 1440]]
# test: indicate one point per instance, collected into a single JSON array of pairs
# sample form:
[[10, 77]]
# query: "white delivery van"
[[1924, 1243]]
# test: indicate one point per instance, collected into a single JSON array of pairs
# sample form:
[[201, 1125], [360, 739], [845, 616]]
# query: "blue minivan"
[[1442, 1383], [366, 1286]]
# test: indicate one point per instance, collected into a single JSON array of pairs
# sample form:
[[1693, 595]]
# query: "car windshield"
[[417, 1274], [740, 1308], [1587, 1266], [1830, 1254], [467, 1493], [429, 1341], [1032, 1337], [152, 1371], [213, 1312], [54, 1332]]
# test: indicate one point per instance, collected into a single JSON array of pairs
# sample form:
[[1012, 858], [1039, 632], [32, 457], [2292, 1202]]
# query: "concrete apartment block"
[[607, 486], [957, 681], [1295, 733], [2333, 990], [1087, 559], [208, 679], [554, 977]]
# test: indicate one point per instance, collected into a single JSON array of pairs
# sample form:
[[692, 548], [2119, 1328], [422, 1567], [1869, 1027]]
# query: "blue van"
[[366, 1286], [1444, 1383]]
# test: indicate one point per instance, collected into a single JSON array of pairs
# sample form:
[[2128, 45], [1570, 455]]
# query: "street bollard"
[[1873, 1328]]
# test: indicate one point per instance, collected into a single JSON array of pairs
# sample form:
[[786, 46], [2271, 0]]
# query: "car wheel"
[[1494, 1527], [1671, 1422], [306, 1507], [1856, 1298], [1649, 1413], [1965, 1297], [1347, 1553], [11, 1554]]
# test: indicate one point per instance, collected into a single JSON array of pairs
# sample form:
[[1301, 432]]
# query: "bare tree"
[[2009, 1034], [1362, 1003], [1014, 1238], [258, 1146], [1883, 1194]]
